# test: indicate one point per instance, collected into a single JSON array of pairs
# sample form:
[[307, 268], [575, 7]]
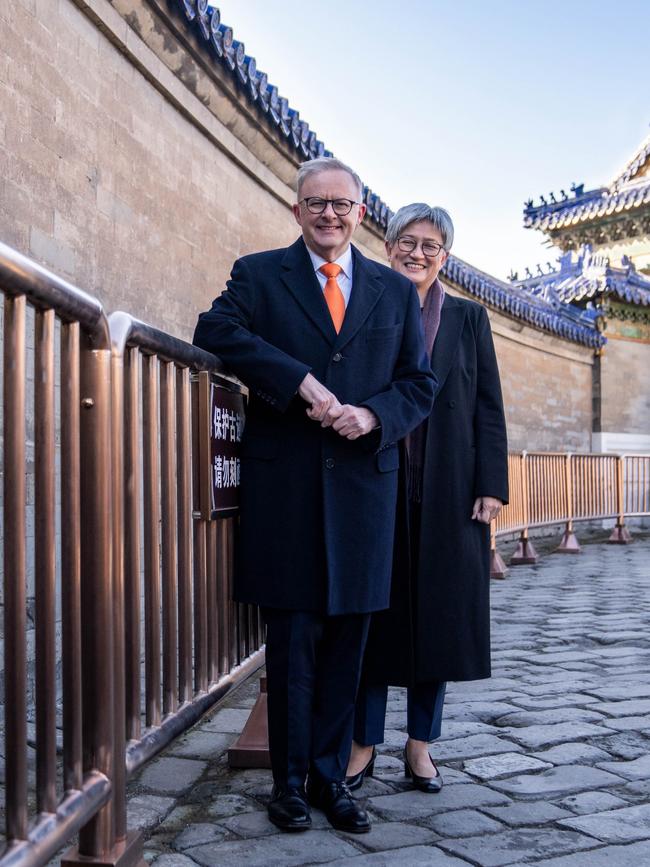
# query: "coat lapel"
[[299, 278], [367, 288], [447, 339]]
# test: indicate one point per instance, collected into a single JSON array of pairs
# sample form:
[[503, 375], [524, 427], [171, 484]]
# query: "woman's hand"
[[486, 509]]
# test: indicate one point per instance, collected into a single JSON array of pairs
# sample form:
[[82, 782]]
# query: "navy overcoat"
[[438, 625], [318, 511]]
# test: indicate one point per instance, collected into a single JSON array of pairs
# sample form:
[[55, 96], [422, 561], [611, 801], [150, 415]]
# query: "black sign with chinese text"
[[218, 413], [227, 416]]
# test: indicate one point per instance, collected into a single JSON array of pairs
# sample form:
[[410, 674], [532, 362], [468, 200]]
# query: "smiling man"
[[330, 345]]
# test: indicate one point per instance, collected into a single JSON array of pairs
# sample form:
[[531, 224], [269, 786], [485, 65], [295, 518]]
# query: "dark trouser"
[[313, 663], [424, 706]]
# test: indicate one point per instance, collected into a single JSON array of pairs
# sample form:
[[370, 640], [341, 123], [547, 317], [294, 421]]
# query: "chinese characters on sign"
[[218, 415], [226, 428]]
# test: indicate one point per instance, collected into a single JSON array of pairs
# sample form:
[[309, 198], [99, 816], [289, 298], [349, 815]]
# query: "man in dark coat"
[[330, 345]]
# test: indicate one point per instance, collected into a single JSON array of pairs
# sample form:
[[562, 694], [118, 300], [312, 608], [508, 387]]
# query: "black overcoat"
[[438, 625], [318, 511]]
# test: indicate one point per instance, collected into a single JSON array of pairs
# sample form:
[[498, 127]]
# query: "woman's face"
[[419, 266]]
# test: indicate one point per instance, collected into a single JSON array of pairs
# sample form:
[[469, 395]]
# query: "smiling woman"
[[437, 627], [418, 240]]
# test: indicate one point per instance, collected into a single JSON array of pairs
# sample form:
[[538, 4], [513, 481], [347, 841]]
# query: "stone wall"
[[132, 167]]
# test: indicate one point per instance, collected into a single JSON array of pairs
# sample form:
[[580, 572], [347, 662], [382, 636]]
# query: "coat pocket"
[[388, 459]]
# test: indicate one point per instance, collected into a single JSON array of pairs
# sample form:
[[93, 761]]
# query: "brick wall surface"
[[625, 368]]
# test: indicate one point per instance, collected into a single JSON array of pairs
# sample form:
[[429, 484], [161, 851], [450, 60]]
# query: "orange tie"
[[333, 294]]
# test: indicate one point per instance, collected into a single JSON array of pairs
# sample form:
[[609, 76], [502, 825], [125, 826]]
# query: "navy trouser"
[[313, 664], [424, 704]]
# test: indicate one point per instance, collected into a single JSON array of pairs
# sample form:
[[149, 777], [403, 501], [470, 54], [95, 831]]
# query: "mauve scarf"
[[416, 440]]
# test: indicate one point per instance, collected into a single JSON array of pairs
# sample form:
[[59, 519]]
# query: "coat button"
[[329, 463], [337, 356], [451, 404]]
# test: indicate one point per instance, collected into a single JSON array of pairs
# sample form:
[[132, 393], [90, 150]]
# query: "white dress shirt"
[[345, 277]]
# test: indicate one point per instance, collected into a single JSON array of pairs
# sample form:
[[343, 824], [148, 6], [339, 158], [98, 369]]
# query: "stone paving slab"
[[412, 804], [532, 813], [414, 856], [283, 850], [563, 780], [570, 753], [637, 769], [537, 736], [546, 763], [394, 835], [493, 767], [592, 802], [635, 855], [463, 823], [625, 825], [518, 846]]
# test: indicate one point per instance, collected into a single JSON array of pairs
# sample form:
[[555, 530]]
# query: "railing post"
[[525, 553], [569, 543], [620, 533], [98, 843], [498, 568]]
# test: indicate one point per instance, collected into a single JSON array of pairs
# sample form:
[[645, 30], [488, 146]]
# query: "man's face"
[[417, 264], [328, 234]]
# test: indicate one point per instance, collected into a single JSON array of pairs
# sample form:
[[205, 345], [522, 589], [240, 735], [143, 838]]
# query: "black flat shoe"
[[355, 781], [289, 810], [340, 808], [424, 784]]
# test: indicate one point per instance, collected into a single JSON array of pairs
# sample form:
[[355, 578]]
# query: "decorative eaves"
[[589, 277], [273, 109], [591, 205], [546, 313]]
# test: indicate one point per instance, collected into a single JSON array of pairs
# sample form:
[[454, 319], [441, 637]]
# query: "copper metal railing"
[[108, 531], [558, 488]]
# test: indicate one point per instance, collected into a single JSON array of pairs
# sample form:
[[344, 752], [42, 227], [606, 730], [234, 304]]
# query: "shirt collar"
[[344, 260]]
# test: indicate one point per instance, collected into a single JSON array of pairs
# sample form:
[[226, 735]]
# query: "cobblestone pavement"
[[548, 762]]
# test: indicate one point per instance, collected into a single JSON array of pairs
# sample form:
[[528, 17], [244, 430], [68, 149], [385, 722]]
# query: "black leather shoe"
[[355, 781], [342, 811], [289, 810], [424, 784]]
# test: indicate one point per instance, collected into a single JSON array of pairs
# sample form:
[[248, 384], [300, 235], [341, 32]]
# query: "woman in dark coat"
[[438, 626]]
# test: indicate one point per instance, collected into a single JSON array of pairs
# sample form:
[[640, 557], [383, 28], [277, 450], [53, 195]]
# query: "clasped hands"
[[349, 421]]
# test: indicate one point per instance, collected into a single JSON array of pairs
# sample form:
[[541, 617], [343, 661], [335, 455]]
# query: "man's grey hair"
[[438, 217], [326, 164]]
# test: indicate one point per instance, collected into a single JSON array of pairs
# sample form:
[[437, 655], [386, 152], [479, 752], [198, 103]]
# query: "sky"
[[475, 106]]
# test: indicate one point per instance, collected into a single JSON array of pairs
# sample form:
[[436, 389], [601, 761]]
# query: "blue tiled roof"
[[547, 313], [588, 276], [588, 206], [625, 193], [284, 120]]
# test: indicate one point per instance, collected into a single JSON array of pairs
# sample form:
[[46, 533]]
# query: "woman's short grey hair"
[[326, 164], [438, 217]]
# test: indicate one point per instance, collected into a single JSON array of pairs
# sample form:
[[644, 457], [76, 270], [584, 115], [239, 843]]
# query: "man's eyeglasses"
[[429, 248], [316, 205]]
